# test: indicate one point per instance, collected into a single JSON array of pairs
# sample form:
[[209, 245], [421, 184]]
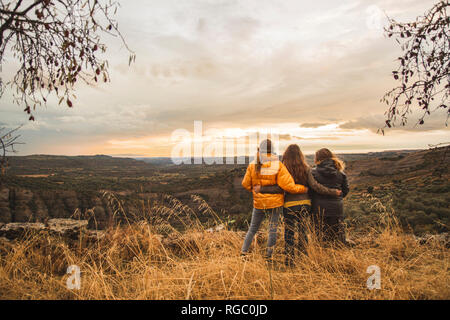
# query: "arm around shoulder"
[[275, 189], [345, 188], [319, 188], [286, 182]]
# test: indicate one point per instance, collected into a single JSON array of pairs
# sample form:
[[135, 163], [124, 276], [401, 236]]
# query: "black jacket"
[[328, 175]]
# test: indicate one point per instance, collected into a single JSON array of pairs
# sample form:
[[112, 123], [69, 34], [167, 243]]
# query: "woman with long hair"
[[266, 169], [329, 211], [297, 207]]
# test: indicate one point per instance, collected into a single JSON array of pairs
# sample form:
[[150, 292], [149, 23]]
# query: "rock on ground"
[[443, 238], [15, 230], [67, 228]]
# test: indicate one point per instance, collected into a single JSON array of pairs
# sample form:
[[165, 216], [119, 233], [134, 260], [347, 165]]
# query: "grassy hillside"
[[416, 186], [135, 262]]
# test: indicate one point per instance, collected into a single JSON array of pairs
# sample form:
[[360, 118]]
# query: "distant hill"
[[246, 159], [46, 164]]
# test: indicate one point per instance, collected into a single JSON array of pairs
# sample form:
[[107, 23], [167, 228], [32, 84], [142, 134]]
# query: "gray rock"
[[95, 234], [66, 228], [442, 238], [69, 228], [15, 230], [217, 228]]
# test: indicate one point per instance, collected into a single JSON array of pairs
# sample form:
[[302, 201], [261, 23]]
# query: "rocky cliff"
[[22, 205]]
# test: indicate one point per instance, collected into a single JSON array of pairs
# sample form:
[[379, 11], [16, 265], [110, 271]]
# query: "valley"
[[415, 183]]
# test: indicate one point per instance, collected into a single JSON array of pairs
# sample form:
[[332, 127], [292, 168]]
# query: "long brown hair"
[[295, 162], [265, 147], [324, 154]]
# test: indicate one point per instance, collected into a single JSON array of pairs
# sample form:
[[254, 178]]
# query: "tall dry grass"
[[134, 262]]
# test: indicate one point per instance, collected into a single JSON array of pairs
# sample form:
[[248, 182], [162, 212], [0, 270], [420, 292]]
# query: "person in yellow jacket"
[[267, 169]]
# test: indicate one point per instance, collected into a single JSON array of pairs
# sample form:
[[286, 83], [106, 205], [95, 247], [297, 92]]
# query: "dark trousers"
[[329, 229], [295, 220], [300, 220]]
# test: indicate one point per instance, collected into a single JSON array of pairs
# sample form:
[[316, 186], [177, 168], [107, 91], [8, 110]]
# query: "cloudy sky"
[[311, 71]]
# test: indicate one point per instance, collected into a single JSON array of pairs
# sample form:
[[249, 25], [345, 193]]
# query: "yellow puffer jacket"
[[272, 172]]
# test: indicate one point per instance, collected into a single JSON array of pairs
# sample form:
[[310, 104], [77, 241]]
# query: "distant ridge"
[[241, 160]]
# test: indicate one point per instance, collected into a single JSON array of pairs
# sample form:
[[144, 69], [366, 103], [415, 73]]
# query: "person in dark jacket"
[[297, 206], [328, 211]]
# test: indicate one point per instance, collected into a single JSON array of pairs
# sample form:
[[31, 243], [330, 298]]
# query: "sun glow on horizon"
[[242, 139]]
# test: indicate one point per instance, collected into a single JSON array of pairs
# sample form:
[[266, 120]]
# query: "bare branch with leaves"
[[57, 43], [8, 140], [423, 70]]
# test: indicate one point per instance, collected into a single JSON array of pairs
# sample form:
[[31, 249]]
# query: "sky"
[[308, 72]]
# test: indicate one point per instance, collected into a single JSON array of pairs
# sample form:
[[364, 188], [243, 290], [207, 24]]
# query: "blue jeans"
[[257, 218]]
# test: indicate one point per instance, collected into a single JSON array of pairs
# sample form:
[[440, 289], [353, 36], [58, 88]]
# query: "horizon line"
[[149, 156]]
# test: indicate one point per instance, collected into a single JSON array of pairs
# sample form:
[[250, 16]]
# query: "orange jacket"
[[272, 172]]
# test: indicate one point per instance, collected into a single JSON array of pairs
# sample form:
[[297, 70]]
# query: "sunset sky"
[[311, 71]]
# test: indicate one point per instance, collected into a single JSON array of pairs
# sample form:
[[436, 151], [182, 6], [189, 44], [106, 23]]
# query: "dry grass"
[[134, 262]]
